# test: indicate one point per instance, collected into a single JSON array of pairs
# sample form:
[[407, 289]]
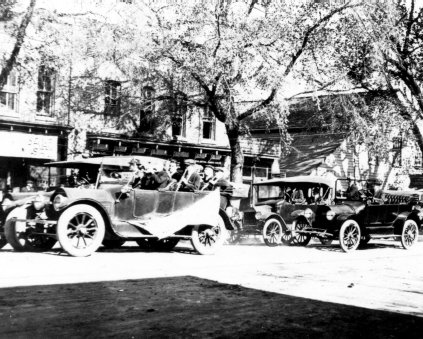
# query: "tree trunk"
[[237, 157], [10, 63]]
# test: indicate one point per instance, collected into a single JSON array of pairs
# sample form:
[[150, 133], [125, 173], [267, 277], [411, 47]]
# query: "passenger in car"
[[191, 180], [159, 179], [298, 196], [352, 192], [287, 195], [315, 196]]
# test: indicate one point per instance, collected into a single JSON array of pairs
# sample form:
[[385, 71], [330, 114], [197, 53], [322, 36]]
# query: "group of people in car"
[[296, 196], [189, 177]]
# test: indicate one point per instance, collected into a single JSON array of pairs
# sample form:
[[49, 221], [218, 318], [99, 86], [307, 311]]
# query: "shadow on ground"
[[186, 307]]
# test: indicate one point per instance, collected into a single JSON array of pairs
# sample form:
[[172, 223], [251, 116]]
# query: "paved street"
[[382, 276]]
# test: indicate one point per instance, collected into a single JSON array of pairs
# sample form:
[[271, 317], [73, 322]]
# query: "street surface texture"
[[243, 291]]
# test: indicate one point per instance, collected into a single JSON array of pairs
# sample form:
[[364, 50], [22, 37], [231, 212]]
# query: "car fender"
[[403, 217], [228, 223], [276, 216], [298, 213]]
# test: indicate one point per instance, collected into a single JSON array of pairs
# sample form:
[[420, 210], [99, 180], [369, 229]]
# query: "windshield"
[[308, 191]]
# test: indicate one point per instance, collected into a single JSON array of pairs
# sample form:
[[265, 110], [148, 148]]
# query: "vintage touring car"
[[95, 211], [328, 214]]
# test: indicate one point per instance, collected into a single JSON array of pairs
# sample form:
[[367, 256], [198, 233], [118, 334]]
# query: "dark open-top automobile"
[[94, 211], [328, 212]]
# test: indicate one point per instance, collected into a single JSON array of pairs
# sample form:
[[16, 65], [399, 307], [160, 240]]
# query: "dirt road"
[[242, 291]]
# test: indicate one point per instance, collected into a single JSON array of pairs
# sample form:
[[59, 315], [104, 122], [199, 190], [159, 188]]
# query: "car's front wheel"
[[80, 230], [349, 235], [207, 239], [410, 234], [272, 232], [23, 236], [300, 239]]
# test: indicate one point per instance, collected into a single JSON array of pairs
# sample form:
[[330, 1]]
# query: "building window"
[[8, 94], [147, 110], [418, 161], [112, 97], [45, 91], [209, 124], [396, 143], [179, 117]]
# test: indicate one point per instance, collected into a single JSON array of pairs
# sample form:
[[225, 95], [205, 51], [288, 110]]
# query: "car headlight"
[[330, 215], [38, 202], [58, 201], [308, 213], [258, 215]]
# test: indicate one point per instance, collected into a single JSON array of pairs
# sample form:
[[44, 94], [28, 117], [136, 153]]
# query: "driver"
[[137, 168], [352, 192], [298, 196]]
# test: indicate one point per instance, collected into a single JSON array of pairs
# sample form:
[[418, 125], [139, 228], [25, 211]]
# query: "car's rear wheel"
[[113, 243], [297, 238], [349, 236], [207, 239], [23, 237], [410, 234], [80, 230], [272, 232]]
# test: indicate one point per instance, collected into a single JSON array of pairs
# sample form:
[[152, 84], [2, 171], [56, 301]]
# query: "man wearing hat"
[[158, 180], [208, 179], [376, 190], [223, 184], [352, 192], [29, 186], [138, 169], [191, 180]]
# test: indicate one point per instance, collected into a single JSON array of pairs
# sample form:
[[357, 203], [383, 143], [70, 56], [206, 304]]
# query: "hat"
[[219, 169], [209, 166], [189, 162], [29, 182], [377, 182], [135, 161]]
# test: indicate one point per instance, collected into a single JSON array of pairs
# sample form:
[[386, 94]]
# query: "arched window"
[[45, 92]]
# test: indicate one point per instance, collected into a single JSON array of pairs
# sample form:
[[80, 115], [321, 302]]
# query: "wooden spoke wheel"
[[80, 230], [410, 234], [349, 236], [207, 239], [272, 232], [23, 236], [300, 239]]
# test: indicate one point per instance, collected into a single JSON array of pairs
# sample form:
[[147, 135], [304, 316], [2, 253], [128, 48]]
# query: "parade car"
[[326, 213], [266, 212], [396, 215], [96, 210]]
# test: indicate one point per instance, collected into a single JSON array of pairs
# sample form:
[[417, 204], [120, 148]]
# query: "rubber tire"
[[210, 249], [113, 243], [278, 232], [62, 227], [345, 247], [306, 238], [405, 241], [10, 228]]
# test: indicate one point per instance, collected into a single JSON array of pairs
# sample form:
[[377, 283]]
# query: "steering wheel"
[[83, 180]]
